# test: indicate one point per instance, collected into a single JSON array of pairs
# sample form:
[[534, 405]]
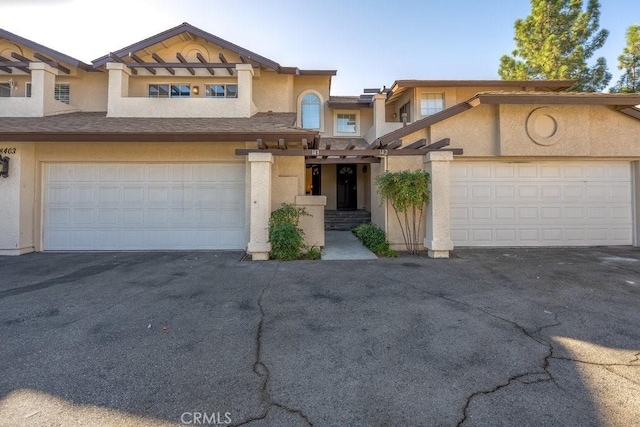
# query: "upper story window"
[[169, 91], [346, 123], [5, 90], [61, 92], [310, 111], [180, 91], [221, 91], [431, 103]]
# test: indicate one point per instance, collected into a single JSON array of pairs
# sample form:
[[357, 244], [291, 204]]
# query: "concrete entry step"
[[344, 245], [345, 220]]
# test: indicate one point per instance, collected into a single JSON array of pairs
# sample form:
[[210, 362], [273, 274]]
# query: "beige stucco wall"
[[87, 91], [319, 85], [636, 207], [583, 131], [477, 131], [288, 179], [274, 92], [17, 195]]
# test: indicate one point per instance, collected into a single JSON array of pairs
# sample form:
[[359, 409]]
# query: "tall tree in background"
[[629, 62], [555, 41]]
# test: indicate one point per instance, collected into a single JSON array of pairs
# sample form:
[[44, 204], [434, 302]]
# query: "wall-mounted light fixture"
[[4, 167], [13, 85], [364, 169], [195, 90]]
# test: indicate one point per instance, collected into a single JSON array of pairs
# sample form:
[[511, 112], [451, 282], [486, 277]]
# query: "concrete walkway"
[[344, 245]]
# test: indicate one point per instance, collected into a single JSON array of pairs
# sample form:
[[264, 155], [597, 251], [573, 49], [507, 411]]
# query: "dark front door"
[[347, 187]]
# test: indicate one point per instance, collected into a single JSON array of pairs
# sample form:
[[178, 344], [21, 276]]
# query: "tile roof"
[[94, 126]]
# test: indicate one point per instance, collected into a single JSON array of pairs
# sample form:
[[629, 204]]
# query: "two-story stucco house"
[[185, 141]]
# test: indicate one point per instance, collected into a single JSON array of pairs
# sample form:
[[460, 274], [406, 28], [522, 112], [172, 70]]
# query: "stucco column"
[[245, 89], [118, 86], [43, 81], [438, 227], [260, 200], [17, 193], [379, 113], [636, 178]]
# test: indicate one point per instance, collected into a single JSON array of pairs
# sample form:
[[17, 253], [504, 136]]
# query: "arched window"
[[310, 111]]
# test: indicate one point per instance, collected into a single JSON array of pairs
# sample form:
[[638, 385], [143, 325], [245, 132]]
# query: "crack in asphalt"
[[260, 369], [631, 364], [631, 380], [545, 361]]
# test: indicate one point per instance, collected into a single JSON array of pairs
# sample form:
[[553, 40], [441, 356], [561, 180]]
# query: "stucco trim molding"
[[545, 126]]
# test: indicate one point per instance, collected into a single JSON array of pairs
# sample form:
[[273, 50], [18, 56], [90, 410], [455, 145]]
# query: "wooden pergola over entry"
[[372, 154]]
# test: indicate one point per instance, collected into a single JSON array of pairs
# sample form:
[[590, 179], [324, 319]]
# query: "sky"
[[371, 43]]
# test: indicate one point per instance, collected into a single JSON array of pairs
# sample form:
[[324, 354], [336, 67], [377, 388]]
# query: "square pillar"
[[17, 201], [379, 114], [636, 208], [260, 205], [43, 81], [245, 90], [438, 227], [119, 75]]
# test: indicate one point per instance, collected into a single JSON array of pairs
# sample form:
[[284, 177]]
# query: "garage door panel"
[[543, 204], [144, 206], [133, 173]]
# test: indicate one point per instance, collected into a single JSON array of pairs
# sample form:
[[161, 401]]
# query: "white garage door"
[[144, 206], [541, 204]]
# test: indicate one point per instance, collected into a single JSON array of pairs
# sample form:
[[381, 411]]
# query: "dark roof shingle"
[[96, 126]]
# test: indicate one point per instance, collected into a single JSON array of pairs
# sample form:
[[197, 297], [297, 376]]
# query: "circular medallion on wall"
[[544, 126]]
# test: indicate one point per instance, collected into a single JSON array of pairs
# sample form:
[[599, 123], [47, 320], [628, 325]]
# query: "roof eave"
[[348, 105], [541, 98], [54, 54], [551, 84], [154, 136]]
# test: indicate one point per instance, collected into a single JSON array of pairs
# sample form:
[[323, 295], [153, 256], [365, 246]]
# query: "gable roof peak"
[[185, 27], [46, 51]]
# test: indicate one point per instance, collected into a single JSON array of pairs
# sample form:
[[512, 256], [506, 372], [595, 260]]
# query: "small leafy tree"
[[285, 235], [408, 193]]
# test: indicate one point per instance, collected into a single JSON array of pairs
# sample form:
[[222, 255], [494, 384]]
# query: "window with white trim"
[[221, 91], [346, 122], [169, 90], [27, 90], [431, 103], [310, 110], [61, 92]]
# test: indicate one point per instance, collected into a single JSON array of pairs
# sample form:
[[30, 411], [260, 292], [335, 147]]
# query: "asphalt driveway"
[[492, 337]]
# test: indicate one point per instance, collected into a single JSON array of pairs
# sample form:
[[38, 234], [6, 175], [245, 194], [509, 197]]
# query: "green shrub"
[[374, 239], [313, 252], [285, 235]]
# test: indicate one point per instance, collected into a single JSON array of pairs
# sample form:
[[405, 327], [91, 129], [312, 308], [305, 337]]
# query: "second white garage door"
[[541, 204], [106, 206]]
